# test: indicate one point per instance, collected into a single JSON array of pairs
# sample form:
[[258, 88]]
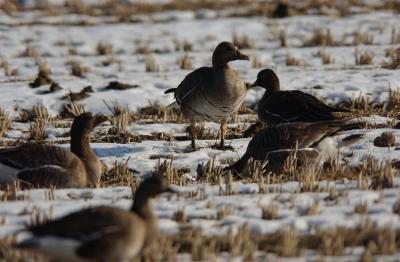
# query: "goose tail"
[[171, 90], [338, 109]]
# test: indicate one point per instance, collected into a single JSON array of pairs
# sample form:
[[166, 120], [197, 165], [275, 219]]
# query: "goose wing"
[[290, 135], [294, 106], [312, 108], [34, 155], [45, 176], [276, 160], [83, 225], [199, 77], [96, 230], [275, 143], [39, 165]]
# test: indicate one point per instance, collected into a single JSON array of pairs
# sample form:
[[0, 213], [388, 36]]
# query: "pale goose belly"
[[215, 106]]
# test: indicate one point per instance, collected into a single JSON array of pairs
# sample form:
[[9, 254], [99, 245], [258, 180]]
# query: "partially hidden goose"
[[101, 233], [278, 106], [212, 93], [312, 142], [47, 165]]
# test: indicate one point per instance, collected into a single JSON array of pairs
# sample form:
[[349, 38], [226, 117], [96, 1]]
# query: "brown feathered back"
[[286, 136]]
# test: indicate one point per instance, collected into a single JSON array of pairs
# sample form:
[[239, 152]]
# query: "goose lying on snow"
[[278, 106], [313, 142], [48, 165], [101, 233], [212, 93]]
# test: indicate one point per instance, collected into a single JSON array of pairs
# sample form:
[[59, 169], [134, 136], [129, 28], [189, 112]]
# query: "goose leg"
[[192, 133], [223, 131]]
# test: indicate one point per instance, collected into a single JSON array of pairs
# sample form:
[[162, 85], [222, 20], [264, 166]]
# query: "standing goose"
[[101, 233], [212, 93], [313, 142], [278, 106], [48, 165]]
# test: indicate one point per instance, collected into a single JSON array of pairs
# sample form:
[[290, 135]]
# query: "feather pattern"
[[293, 106], [97, 230], [47, 165], [44, 165], [101, 233], [210, 94], [277, 106], [280, 138]]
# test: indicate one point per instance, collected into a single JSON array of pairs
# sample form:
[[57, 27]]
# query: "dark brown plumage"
[[212, 93], [101, 233], [274, 144], [278, 106], [47, 165]]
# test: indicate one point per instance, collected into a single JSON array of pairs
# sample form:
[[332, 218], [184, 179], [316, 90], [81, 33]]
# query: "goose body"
[[42, 165], [212, 93], [277, 106], [101, 233], [48, 165], [91, 234], [312, 142]]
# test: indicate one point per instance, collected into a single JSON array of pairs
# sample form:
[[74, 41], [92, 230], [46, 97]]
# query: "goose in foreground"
[[101, 233], [278, 106], [212, 93], [47, 165], [312, 143]]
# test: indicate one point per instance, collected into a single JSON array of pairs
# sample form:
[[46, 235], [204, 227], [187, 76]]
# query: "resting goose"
[[212, 93], [48, 165], [312, 142], [278, 106], [101, 233]]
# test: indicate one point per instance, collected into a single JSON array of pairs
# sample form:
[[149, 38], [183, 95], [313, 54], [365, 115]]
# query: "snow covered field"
[[169, 44]]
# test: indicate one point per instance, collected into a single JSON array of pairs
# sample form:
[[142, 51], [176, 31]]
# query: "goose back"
[[292, 106]]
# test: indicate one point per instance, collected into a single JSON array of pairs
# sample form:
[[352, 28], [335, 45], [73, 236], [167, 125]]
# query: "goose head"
[[152, 187], [86, 122], [149, 188], [268, 80], [226, 52]]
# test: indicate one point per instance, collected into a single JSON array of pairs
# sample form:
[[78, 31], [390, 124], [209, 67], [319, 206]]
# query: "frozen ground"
[[55, 40]]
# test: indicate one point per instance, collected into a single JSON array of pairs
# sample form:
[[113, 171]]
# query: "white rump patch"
[[328, 148]]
